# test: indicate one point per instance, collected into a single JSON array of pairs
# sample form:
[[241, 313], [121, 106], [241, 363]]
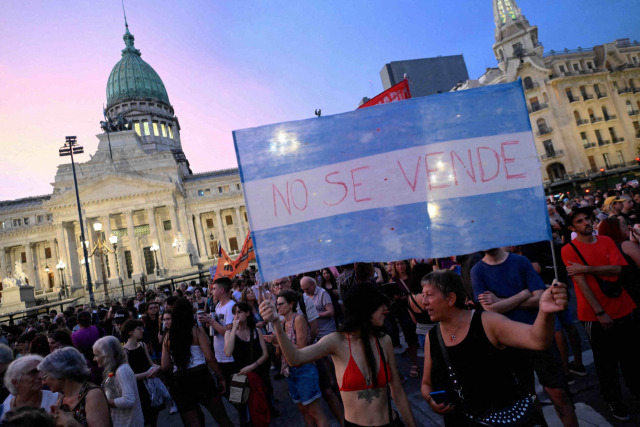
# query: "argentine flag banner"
[[441, 175]]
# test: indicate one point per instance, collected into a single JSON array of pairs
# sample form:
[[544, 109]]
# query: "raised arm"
[[296, 356], [505, 332]]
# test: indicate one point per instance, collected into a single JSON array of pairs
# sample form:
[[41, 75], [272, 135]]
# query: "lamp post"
[[113, 239], [101, 250], [70, 148], [155, 248], [60, 267]]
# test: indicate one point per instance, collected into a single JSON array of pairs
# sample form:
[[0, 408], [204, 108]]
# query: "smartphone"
[[440, 396]]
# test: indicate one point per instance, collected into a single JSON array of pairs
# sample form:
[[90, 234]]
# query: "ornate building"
[[583, 103], [138, 187]]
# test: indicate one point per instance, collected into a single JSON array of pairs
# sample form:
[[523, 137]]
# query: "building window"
[[596, 89], [166, 225], [200, 193], [605, 157], [620, 158], [599, 137], [228, 219], [3, 225], [209, 222], [562, 69], [23, 257], [225, 188], [49, 217], [145, 126], [170, 131], [238, 187], [548, 148], [612, 132], [220, 190], [17, 222], [155, 129], [590, 65], [585, 141], [136, 126], [149, 262], [129, 263], [213, 247], [164, 130], [245, 217], [576, 67], [39, 219], [47, 253], [528, 83], [233, 244], [26, 221], [569, 95]]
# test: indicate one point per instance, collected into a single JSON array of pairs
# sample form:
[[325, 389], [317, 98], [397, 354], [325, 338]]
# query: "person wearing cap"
[[608, 321], [612, 205]]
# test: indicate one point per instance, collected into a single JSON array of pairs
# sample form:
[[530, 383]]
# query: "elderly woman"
[[83, 404], [119, 383], [470, 378], [23, 380], [6, 357]]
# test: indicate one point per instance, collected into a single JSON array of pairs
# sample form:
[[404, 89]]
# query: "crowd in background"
[[333, 334]]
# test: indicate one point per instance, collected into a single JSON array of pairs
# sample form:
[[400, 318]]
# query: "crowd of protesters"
[[485, 323]]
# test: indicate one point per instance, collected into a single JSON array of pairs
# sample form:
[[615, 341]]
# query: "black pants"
[[617, 346]]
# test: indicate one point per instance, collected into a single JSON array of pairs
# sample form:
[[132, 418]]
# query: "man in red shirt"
[[610, 326]]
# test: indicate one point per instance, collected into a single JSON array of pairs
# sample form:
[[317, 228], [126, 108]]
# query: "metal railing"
[[633, 112], [587, 97], [573, 99], [537, 107], [531, 86], [624, 90], [595, 119], [611, 117], [552, 154], [588, 145], [604, 142], [38, 309], [581, 122], [601, 95], [544, 131], [618, 140]]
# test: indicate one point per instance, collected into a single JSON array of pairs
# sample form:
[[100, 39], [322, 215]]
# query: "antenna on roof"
[[125, 16]]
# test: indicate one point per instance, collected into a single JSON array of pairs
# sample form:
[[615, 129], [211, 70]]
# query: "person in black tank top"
[[475, 342]]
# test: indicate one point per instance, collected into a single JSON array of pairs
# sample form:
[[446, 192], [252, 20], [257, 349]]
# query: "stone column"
[[32, 269], [192, 236], [221, 236], [63, 255], [113, 270], [155, 237], [73, 263], [202, 243], [243, 233], [133, 247], [4, 267]]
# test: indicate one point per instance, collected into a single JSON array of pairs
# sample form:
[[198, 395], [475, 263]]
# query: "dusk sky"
[[229, 65]]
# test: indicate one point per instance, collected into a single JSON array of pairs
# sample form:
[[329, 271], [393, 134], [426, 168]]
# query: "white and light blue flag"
[[441, 175]]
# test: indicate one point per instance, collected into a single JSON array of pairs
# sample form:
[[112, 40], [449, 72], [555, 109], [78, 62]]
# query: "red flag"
[[225, 265], [394, 93], [246, 255]]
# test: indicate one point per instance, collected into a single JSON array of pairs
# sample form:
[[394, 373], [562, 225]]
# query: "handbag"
[[239, 389], [514, 415], [158, 393], [397, 422], [611, 289]]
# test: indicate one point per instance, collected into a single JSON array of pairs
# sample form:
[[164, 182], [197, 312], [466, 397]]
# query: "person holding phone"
[[474, 343]]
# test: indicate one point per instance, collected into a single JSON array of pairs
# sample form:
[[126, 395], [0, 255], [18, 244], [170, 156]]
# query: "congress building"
[[139, 198], [583, 103]]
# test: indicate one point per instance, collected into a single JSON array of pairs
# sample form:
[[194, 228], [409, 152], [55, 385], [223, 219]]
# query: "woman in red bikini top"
[[363, 357]]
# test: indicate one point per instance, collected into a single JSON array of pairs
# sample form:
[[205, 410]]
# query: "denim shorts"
[[304, 384]]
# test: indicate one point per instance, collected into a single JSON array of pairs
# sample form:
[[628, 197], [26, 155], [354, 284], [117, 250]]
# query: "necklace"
[[452, 337]]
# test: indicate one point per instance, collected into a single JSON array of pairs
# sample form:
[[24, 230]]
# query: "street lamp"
[[60, 267], [70, 148], [113, 239], [155, 248], [101, 250]]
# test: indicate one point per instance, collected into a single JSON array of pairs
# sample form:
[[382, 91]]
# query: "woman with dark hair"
[[401, 273], [40, 345], [200, 300], [59, 338], [151, 322], [328, 282], [477, 368], [142, 366], [186, 351], [249, 297], [119, 383], [362, 354], [418, 313], [302, 378]]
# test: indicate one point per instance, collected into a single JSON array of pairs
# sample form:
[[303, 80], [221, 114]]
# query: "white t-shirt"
[[49, 399], [224, 316]]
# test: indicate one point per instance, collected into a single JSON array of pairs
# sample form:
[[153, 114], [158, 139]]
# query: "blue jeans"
[[304, 384]]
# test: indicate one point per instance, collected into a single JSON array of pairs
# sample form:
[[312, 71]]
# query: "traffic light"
[[638, 160]]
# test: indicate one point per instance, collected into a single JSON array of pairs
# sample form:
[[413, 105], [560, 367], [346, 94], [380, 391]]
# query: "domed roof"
[[131, 77]]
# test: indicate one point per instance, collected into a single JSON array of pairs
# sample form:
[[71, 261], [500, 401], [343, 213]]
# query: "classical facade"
[[137, 187], [583, 103]]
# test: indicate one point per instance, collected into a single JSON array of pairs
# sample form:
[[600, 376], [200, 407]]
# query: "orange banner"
[[228, 267], [395, 93]]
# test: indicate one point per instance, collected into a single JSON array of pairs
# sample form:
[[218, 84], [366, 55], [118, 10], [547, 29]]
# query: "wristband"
[[600, 313]]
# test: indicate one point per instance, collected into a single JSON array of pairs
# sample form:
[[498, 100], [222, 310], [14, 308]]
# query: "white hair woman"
[[23, 381], [119, 383], [82, 404]]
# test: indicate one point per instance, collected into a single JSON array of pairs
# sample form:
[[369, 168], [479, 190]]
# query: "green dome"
[[131, 77]]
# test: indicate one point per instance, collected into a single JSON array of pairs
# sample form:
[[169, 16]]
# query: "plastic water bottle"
[[111, 388]]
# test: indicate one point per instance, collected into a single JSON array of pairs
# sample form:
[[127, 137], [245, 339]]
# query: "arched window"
[[556, 171], [542, 126], [590, 112], [576, 115], [528, 83]]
